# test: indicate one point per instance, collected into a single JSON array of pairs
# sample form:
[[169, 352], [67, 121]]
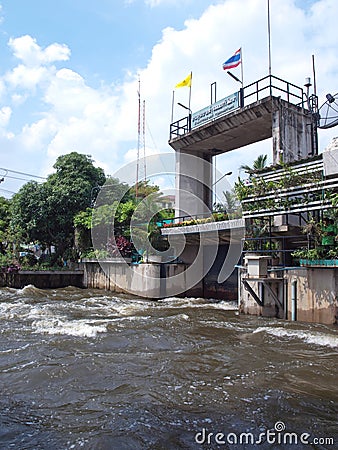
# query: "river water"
[[84, 369]]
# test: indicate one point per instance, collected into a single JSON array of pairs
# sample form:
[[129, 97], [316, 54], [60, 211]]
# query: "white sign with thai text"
[[215, 110]]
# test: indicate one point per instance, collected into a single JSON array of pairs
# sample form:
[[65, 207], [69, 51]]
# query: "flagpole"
[[190, 114], [269, 37], [190, 89], [242, 66]]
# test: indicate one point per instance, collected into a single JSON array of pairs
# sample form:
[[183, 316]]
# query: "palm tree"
[[258, 164], [231, 203]]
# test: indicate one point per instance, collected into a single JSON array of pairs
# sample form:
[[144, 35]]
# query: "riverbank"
[[295, 294]]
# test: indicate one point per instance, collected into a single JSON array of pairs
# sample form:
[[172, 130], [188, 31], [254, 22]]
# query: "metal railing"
[[194, 218], [270, 85], [267, 86], [180, 127], [265, 246]]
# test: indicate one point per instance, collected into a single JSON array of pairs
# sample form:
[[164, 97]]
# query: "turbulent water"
[[86, 369]]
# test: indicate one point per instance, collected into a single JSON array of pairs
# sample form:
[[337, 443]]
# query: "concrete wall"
[[159, 280], [207, 273], [292, 133], [330, 158], [44, 279], [317, 293], [271, 308], [151, 280], [193, 183]]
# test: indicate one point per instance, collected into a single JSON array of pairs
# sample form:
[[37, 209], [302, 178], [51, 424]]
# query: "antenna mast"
[[144, 141], [138, 138], [269, 38], [141, 129]]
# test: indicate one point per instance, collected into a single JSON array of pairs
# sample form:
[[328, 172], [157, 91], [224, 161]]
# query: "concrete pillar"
[[193, 183], [293, 133]]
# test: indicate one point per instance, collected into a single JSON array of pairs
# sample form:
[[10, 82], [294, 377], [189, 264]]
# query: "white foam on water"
[[14, 350], [82, 328], [129, 309], [35, 312], [14, 310], [198, 302], [306, 336], [182, 317], [30, 289]]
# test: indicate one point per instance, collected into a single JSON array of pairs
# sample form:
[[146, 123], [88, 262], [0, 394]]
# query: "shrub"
[[120, 246]]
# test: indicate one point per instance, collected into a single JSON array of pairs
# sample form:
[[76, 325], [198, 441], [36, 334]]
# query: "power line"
[[22, 173], [6, 190], [16, 178]]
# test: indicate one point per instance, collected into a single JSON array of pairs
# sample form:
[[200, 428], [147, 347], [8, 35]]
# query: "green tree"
[[45, 212], [144, 189], [114, 190], [258, 164], [83, 226], [28, 216], [5, 218]]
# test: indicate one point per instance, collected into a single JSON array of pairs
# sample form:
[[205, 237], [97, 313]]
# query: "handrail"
[[176, 219], [293, 93], [180, 127], [270, 86]]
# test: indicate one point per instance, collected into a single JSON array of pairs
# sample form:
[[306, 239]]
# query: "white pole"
[[172, 107], [269, 37], [242, 65], [190, 89]]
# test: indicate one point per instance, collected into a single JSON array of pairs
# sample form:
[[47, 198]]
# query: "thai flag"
[[234, 61]]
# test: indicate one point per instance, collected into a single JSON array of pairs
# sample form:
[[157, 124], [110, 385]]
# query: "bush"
[[95, 254], [120, 246]]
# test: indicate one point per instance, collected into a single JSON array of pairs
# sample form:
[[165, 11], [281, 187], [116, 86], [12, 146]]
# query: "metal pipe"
[[294, 300]]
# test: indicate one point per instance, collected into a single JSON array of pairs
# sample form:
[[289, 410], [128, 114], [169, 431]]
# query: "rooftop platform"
[[251, 115], [244, 126]]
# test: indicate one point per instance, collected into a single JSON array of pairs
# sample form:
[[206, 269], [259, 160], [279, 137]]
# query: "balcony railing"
[[262, 88]]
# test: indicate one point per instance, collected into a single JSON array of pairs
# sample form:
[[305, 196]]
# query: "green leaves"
[[45, 212], [258, 164]]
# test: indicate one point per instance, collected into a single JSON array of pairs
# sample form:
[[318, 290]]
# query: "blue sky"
[[69, 70]]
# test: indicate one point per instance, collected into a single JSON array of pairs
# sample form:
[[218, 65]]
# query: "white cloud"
[[68, 94], [26, 49], [36, 136], [35, 67], [5, 115], [23, 77], [18, 99], [153, 3], [131, 154], [2, 88]]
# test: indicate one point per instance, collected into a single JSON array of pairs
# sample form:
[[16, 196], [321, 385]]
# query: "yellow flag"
[[185, 82]]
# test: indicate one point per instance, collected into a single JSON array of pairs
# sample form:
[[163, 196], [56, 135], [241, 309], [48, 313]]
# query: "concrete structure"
[[286, 115], [308, 293], [42, 279], [147, 280], [303, 294], [290, 125], [212, 250], [330, 158]]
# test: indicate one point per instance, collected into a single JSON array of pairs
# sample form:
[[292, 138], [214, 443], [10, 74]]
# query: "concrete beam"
[[242, 127], [290, 126]]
